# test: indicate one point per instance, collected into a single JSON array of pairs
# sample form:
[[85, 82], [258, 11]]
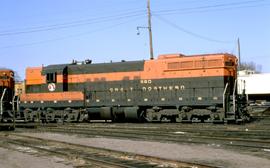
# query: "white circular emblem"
[[51, 87]]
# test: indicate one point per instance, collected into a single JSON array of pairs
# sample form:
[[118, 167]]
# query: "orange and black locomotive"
[[6, 94], [172, 88]]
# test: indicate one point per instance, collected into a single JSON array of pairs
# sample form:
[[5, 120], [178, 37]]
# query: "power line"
[[158, 3], [219, 9], [78, 21], [70, 36], [211, 6], [100, 9], [71, 24], [189, 32], [236, 4], [111, 18]]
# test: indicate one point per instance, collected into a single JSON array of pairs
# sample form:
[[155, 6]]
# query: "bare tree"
[[17, 77], [250, 66]]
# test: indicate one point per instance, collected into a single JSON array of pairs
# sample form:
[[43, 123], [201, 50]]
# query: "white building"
[[257, 85]]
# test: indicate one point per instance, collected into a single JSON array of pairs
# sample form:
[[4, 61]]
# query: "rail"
[[92, 156]]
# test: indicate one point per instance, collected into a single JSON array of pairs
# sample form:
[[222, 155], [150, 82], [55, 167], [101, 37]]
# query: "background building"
[[257, 85]]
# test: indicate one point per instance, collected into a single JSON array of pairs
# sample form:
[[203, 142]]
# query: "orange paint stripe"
[[61, 96], [143, 75]]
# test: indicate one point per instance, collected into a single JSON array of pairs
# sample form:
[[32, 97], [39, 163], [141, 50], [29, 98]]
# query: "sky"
[[43, 32]]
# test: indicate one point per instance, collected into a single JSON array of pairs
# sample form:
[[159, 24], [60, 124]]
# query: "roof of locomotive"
[[4, 72], [124, 66], [178, 55], [5, 69]]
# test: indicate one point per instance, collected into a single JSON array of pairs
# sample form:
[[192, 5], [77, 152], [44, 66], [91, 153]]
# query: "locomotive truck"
[[171, 88]]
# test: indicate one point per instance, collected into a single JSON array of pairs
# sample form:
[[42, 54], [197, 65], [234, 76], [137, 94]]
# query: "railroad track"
[[250, 133], [246, 140], [226, 135], [87, 156]]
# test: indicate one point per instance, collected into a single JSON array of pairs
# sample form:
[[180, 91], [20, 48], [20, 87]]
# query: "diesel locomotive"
[[7, 99], [171, 88]]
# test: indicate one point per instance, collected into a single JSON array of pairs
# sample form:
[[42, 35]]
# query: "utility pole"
[[149, 27], [239, 53], [150, 30]]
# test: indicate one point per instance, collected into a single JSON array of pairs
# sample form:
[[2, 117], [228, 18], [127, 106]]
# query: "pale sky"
[[44, 32]]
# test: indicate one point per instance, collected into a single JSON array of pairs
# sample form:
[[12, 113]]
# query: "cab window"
[[229, 63], [4, 77], [51, 77]]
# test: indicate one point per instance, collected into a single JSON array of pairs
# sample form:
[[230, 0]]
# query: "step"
[[229, 119], [230, 113]]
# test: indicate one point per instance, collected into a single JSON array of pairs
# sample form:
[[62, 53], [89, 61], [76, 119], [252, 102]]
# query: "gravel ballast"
[[14, 159], [203, 154]]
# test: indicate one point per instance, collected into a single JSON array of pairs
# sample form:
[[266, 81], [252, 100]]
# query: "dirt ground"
[[213, 153], [14, 159]]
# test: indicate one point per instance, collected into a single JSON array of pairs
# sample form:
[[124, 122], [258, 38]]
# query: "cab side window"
[[51, 77], [4, 77]]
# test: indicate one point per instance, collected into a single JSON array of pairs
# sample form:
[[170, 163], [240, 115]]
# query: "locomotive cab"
[[56, 78]]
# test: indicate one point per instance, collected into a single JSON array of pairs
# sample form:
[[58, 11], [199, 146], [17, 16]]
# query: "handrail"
[[234, 90], [18, 103], [13, 102], [1, 101], [224, 92]]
